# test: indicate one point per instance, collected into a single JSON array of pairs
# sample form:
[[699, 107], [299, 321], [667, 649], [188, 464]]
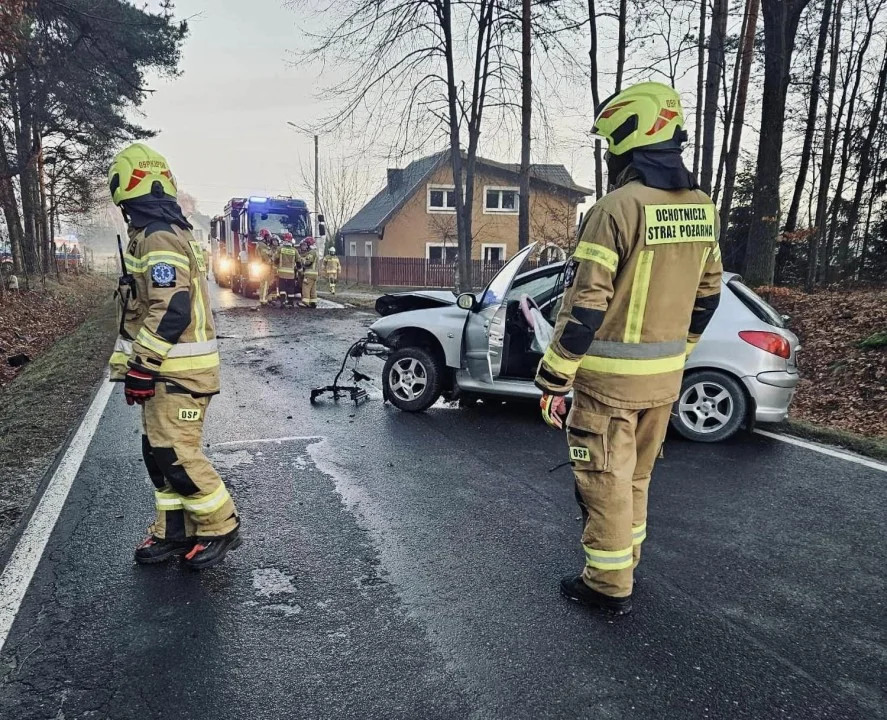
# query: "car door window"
[[537, 287]]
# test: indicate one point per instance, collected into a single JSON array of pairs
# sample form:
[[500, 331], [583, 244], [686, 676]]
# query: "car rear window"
[[759, 307]]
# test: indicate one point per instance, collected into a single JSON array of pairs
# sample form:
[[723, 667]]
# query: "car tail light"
[[768, 342]]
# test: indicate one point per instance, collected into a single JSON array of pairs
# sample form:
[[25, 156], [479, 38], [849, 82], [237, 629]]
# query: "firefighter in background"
[[331, 269], [308, 258], [274, 281], [640, 289], [264, 251], [168, 361], [286, 269]]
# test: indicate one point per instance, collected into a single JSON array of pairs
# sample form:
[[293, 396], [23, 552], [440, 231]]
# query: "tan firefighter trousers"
[[190, 497], [613, 452], [309, 289]]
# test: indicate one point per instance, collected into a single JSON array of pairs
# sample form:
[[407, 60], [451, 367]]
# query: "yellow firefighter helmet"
[[138, 171], [643, 116]]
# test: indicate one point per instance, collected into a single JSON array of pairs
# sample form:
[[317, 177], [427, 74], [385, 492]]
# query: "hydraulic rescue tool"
[[357, 393]]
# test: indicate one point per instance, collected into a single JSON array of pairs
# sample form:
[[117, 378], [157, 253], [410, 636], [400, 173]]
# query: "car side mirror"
[[787, 319], [466, 301]]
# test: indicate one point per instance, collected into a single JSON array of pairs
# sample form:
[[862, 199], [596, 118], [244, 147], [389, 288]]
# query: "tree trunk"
[[463, 237], [9, 205], [620, 51], [791, 221], [734, 90], [523, 209], [837, 195], [865, 167], [700, 87], [828, 153], [780, 28], [712, 92], [596, 97], [746, 56]]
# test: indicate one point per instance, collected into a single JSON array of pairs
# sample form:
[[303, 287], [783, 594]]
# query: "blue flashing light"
[[255, 199]]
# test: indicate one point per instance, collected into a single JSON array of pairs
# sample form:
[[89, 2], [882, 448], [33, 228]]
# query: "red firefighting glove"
[[554, 410], [138, 386]]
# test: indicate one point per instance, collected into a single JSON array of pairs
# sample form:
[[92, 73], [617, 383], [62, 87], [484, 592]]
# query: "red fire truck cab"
[[234, 233]]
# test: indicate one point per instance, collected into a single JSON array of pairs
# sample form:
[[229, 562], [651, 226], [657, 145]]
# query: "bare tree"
[[343, 188], [865, 167], [781, 18], [595, 96], [791, 220], [720, 11], [828, 155], [526, 119], [700, 86], [747, 48]]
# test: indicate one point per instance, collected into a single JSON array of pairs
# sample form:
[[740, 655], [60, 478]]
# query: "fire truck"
[[235, 261]]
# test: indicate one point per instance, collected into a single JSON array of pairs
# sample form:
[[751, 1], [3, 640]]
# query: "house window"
[[439, 254], [352, 248], [501, 200], [493, 253], [551, 254], [368, 248], [441, 198]]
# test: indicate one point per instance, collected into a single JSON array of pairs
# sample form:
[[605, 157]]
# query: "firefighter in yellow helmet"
[[308, 260], [639, 291], [331, 268], [168, 361]]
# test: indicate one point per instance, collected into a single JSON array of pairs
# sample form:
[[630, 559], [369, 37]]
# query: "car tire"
[[412, 379], [711, 407]]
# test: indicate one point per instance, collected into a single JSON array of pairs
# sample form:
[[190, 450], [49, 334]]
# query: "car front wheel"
[[711, 407], [412, 378]]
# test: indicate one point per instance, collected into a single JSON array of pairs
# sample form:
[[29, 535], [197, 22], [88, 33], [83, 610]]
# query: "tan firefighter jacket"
[[331, 265], [641, 288], [309, 262], [165, 318], [286, 262]]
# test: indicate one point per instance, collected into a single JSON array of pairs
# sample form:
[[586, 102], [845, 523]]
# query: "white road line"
[[289, 438], [25, 558], [874, 464]]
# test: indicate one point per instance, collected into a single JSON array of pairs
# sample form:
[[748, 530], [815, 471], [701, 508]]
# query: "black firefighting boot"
[[210, 551], [574, 588], [157, 550]]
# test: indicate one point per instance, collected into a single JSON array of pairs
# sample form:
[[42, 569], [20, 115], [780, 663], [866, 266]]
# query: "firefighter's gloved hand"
[[137, 387], [554, 410]]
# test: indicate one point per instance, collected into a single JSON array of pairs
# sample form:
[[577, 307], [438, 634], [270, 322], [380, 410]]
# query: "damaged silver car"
[[469, 347]]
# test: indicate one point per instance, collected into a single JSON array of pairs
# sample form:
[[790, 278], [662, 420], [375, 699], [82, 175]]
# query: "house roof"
[[373, 216]]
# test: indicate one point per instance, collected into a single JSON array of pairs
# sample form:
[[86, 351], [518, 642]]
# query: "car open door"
[[484, 334]]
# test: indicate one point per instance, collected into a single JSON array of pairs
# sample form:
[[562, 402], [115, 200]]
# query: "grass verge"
[[41, 404], [873, 447]]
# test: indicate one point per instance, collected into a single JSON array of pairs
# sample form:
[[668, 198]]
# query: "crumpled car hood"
[[394, 303]]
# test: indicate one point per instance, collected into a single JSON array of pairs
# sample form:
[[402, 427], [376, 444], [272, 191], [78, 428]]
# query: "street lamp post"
[[316, 174]]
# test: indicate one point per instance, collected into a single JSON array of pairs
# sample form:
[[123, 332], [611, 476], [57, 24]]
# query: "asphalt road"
[[406, 566]]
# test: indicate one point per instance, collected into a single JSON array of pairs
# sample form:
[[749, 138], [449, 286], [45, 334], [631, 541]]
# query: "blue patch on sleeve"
[[163, 275]]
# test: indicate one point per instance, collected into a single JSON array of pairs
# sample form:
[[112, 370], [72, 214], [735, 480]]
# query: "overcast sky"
[[223, 123]]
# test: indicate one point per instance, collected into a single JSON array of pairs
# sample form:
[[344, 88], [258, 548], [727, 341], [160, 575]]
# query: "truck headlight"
[[256, 270], [224, 264]]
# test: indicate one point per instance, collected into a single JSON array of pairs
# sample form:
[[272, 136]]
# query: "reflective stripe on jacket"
[[286, 267], [642, 285], [168, 327], [309, 262]]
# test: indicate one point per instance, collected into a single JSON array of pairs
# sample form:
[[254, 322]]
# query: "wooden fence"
[[411, 272]]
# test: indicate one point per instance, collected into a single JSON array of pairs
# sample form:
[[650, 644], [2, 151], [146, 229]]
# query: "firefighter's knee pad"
[[175, 474]]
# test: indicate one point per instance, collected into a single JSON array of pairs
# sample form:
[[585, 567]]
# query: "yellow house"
[[414, 215]]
